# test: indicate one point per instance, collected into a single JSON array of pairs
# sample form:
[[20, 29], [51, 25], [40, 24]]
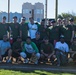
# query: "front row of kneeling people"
[[38, 51]]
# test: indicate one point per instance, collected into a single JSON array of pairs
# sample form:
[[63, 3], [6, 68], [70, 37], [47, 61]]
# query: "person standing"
[[32, 28], [14, 29], [68, 31], [3, 28], [43, 30], [23, 29], [54, 32]]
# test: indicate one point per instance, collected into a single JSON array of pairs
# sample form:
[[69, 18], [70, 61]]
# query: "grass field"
[[36, 72]]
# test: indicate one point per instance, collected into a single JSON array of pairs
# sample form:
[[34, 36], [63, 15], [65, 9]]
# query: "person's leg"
[[38, 55], [9, 54], [25, 56], [52, 59], [58, 58], [42, 57], [36, 58], [15, 55], [63, 59], [74, 57]]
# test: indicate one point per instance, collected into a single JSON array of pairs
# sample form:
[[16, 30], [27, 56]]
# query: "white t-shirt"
[[4, 46], [29, 48], [62, 46], [32, 30]]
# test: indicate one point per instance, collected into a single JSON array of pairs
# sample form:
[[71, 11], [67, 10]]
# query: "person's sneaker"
[[26, 61], [36, 62], [8, 61], [58, 65]]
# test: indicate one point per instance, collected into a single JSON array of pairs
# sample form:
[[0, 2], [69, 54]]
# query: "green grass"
[[36, 72]]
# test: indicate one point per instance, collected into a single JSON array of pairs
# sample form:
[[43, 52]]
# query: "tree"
[[67, 16]]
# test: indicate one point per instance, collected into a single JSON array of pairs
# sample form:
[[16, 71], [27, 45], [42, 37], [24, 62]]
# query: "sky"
[[64, 6]]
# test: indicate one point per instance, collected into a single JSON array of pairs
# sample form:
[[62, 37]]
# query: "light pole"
[[8, 10], [45, 12], [56, 9]]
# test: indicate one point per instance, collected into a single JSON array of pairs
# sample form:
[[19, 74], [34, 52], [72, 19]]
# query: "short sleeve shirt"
[[47, 48], [4, 46]]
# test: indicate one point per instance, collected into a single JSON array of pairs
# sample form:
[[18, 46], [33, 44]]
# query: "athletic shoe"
[[26, 61], [36, 62], [58, 65], [8, 61]]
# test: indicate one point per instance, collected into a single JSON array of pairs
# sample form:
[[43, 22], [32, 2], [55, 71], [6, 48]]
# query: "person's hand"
[[71, 40], [73, 54], [49, 56], [46, 55]]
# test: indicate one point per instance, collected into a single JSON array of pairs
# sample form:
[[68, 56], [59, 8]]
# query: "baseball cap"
[[15, 17], [23, 18], [59, 19], [71, 19], [43, 19], [53, 21], [62, 36]]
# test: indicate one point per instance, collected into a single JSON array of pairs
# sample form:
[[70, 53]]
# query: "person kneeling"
[[30, 50], [62, 50], [17, 49], [73, 50], [47, 51], [5, 49]]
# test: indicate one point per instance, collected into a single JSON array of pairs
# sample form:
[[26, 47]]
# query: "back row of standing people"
[[52, 31]]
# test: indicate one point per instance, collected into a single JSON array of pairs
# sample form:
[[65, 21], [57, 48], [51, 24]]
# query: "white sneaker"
[[26, 61], [36, 62], [8, 61]]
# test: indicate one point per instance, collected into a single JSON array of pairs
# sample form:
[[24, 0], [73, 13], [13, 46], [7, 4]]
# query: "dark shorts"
[[6, 54], [46, 58], [14, 54]]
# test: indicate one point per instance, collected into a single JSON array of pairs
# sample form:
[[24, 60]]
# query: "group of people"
[[38, 42]]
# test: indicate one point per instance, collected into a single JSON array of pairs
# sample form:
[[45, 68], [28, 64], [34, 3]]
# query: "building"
[[36, 11], [19, 15]]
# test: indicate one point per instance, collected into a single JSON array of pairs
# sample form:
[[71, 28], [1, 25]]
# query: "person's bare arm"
[[51, 54]]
